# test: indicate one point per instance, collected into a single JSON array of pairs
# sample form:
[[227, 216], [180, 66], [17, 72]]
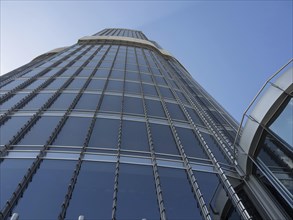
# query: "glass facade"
[[112, 130]]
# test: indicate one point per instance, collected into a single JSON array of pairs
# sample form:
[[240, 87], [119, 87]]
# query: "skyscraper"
[[114, 127]]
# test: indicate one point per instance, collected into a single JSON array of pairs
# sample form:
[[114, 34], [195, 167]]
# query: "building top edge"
[[127, 39]]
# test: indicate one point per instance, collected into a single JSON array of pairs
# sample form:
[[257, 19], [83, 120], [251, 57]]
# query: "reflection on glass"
[[137, 193]]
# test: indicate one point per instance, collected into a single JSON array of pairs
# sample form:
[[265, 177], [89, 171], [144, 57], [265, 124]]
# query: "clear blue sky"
[[230, 47]]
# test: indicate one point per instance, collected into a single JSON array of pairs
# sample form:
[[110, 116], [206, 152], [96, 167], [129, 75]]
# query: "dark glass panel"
[[146, 78], [13, 84], [88, 102], [132, 76], [11, 173], [11, 127], [105, 133], [38, 101], [63, 101], [178, 197], [133, 105], [214, 148], [190, 143], [40, 132], [163, 139], [111, 103], [182, 97], [93, 193], [131, 87], [76, 84], [154, 108], [137, 193], [114, 85], [195, 118], [85, 72], [208, 190], [134, 136], [51, 72], [35, 84], [70, 71], [44, 196], [73, 132], [160, 80], [102, 73], [166, 93], [57, 83], [149, 90], [117, 74], [144, 69], [96, 84], [12, 101], [175, 111]]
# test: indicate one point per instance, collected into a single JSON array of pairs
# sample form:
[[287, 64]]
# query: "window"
[[132, 76], [175, 111], [38, 101], [85, 72], [35, 84], [146, 78], [40, 132], [57, 83], [71, 134], [105, 133], [195, 118], [154, 108], [88, 102], [111, 103], [166, 93], [117, 74], [191, 144], [133, 105], [114, 85], [149, 90], [93, 193], [12, 101], [96, 84], [102, 73], [12, 172], [134, 136], [137, 193], [163, 139], [42, 192], [63, 101], [178, 199], [77, 83], [131, 87]]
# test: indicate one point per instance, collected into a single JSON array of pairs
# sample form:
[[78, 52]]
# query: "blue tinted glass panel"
[[182, 97], [190, 143], [35, 84], [146, 78], [194, 116], [105, 133], [40, 132], [38, 101], [117, 74], [88, 102], [175, 111], [131, 87], [51, 72], [57, 83], [86, 72], [70, 71], [111, 103], [133, 105], [11, 127], [93, 193], [102, 73], [76, 84], [11, 173], [49, 186], [96, 84], [166, 93], [116, 86], [63, 101], [137, 193], [73, 132], [163, 139], [13, 84], [177, 193], [12, 101], [160, 80], [154, 108], [214, 148], [149, 90], [134, 136], [132, 76]]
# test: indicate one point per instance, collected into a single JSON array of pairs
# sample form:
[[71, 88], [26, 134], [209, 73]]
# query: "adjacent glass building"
[[114, 127]]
